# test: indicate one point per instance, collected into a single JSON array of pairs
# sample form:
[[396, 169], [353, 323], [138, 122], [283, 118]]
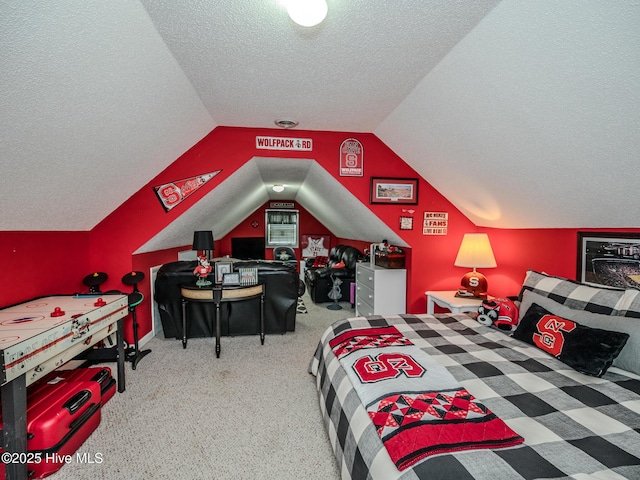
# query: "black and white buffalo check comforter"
[[574, 426]]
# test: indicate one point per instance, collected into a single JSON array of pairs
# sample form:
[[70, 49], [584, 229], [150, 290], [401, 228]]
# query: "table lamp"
[[475, 252], [203, 241]]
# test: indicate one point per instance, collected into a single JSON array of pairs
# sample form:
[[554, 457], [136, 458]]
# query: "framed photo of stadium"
[[394, 190], [609, 258]]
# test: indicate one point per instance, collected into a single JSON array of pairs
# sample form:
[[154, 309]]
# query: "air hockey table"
[[40, 335]]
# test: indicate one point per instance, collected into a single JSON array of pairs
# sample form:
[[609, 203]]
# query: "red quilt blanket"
[[416, 405]]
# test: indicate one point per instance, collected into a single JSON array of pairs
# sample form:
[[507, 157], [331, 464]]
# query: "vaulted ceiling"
[[522, 113]]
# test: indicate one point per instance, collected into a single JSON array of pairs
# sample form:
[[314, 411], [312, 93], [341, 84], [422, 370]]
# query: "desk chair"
[[135, 298], [286, 255]]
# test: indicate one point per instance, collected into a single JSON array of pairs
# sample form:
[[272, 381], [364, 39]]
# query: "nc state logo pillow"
[[587, 350]]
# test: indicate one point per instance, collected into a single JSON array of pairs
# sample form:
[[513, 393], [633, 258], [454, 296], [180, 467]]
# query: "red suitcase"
[[60, 417], [102, 375]]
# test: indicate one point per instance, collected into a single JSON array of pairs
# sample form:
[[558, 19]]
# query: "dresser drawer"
[[365, 276], [363, 309], [365, 295], [364, 301]]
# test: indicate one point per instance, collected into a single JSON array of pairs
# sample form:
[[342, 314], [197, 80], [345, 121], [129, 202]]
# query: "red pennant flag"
[[171, 194]]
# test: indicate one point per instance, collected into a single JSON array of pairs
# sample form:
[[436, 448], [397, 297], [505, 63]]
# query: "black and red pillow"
[[587, 350], [320, 262]]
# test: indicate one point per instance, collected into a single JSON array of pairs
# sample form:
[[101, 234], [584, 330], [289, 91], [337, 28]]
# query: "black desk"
[[218, 295]]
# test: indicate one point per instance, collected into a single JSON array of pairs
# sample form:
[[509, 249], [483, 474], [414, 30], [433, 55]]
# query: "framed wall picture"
[[221, 269], [231, 279], [406, 223], [248, 276], [394, 190], [315, 245], [609, 258]]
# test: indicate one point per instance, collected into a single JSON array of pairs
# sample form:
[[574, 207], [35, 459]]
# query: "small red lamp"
[[475, 252]]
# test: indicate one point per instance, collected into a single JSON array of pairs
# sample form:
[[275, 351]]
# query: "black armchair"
[[319, 280]]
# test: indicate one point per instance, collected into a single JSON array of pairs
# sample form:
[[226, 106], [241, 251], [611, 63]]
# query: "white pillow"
[[629, 358]]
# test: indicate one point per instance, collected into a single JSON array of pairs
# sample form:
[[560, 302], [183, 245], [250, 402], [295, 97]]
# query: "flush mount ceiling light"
[[286, 123], [278, 188], [307, 13]]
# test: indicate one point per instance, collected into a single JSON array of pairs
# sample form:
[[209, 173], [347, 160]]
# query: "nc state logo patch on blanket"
[[385, 366]]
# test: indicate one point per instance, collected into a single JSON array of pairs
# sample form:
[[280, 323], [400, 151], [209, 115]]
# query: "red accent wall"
[[36, 264], [62, 259]]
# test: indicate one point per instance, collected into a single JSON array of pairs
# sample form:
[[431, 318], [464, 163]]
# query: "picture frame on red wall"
[[611, 259], [317, 245], [394, 190], [406, 223]]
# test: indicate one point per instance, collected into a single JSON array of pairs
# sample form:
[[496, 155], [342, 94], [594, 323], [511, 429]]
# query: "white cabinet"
[[380, 291]]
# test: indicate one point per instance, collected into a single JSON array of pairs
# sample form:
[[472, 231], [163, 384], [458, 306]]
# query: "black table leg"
[[262, 319], [14, 416], [218, 330], [184, 323]]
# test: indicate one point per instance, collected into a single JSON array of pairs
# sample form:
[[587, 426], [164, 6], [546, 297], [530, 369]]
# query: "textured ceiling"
[[533, 120], [522, 113]]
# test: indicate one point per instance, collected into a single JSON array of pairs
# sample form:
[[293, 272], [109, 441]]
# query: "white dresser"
[[380, 291]]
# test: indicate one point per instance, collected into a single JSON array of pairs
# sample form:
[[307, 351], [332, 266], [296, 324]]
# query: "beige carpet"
[[253, 413]]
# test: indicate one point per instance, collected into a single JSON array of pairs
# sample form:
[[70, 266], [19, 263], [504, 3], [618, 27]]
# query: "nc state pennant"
[[171, 194]]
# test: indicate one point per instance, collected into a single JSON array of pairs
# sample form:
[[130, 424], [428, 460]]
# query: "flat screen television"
[[247, 248]]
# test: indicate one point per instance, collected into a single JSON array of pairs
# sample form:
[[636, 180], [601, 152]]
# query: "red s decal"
[[549, 337], [386, 365]]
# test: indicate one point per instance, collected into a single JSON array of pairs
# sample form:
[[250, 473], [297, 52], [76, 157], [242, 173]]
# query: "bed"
[[558, 422]]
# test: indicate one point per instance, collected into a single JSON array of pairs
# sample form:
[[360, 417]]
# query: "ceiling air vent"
[[284, 123]]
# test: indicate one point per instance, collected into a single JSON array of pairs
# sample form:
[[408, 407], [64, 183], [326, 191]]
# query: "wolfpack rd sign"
[[283, 143]]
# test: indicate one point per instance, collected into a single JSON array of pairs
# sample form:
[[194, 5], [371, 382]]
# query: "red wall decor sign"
[[283, 143], [351, 158], [435, 223], [171, 194]]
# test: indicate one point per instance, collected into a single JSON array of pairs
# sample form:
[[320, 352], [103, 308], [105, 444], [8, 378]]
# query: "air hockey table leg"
[[14, 415]]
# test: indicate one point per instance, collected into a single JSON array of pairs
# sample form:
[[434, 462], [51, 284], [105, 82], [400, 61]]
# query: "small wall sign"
[[435, 223], [284, 143], [351, 158], [406, 223], [281, 205]]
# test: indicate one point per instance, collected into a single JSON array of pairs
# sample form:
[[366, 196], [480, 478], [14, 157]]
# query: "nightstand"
[[448, 299]]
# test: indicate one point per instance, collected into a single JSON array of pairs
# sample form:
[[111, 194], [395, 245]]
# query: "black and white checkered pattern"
[[575, 295], [574, 425], [578, 296]]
